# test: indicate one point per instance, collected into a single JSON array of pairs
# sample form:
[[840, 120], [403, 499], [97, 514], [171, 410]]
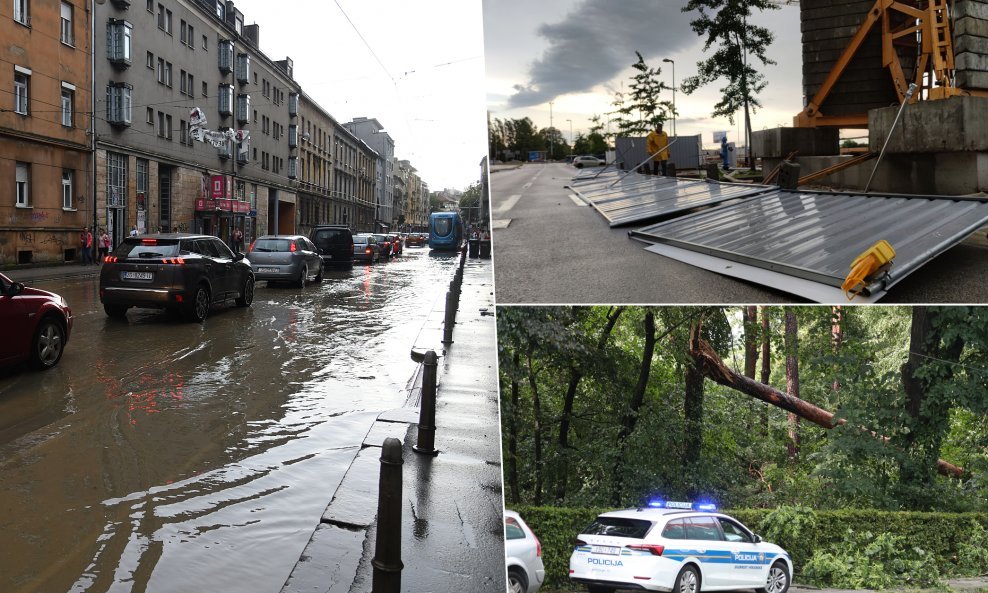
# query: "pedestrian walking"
[[86, 243], [657, 144], [238, 240], [104, 244]]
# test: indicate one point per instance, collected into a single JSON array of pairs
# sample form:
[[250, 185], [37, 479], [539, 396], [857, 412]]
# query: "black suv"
[[335, 244], [176, 272]]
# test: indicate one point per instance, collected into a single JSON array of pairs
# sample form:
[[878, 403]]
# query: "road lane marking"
[[507, 204]]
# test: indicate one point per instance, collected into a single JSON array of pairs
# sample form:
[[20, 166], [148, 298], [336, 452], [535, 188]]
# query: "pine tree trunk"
[[792, 379], [693, 408], [766, 363], [630, 419], [536, 434], [751, 331], [511, 425]]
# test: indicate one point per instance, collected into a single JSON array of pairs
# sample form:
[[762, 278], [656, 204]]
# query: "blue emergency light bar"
[[688, 506]]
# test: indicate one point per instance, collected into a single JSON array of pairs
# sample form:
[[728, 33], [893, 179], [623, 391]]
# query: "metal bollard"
[[387, 552], [450, 318], [426, 443]]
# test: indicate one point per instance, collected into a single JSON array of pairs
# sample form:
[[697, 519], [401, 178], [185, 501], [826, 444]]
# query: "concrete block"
[[956, 124], [964, 44], [967, 79], [972, 61], [969, 25], [779, 142], [975, 8]]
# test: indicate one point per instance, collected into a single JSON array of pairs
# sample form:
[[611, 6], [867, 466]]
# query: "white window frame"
[[22, 185], [22, 12], [68, 178], [22, 90], [66, 35], [68, 104]]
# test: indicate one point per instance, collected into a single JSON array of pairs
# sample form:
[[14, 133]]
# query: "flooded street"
[[167, 456]]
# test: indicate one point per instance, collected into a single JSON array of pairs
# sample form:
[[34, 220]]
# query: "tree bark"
[[564, 421], [792, 380], [766, 363], [693, 406], [536, 434], [836, 340], [715, 370], [511, 425], [630, 419], [750, 340]]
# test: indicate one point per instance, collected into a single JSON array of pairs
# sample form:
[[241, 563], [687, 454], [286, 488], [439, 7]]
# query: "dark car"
[[36, 325], [285, 258], [384, 244], [335, 245], [365, 248], [175, 272]]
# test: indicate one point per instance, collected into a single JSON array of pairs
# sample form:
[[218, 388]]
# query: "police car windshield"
[[619, 527]]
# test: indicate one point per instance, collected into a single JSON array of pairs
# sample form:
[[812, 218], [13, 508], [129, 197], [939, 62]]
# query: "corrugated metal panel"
[[686, 152], [816, 236], [637, 198]]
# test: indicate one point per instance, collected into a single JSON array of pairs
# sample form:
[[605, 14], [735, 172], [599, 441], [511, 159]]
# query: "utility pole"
[[673, 62], [550, 130]]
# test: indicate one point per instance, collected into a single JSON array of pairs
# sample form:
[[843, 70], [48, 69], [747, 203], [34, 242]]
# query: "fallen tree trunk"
[[715, 370]]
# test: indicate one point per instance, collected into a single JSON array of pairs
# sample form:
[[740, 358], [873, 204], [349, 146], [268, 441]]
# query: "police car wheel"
[[778, 579], [688, 581]]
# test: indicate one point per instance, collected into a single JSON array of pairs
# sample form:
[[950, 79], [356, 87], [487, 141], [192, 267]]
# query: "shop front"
[[222, 216]]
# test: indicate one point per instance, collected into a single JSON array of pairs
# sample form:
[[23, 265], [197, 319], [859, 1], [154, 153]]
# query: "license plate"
[[138, 275], [267, 270], [609, 550]]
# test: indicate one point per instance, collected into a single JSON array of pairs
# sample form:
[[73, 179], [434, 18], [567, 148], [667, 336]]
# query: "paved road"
[[555, 249]]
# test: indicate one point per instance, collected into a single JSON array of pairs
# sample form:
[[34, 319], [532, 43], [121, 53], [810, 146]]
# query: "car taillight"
[[173, 260], [111, 259], [252, 246], [368, 250], [578, 542], [149, 241], [653, 549], [292, 247]]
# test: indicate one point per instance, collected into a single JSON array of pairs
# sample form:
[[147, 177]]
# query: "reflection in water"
[[186, 457]]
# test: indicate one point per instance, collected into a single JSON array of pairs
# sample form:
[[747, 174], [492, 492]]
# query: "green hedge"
[[937, 533]]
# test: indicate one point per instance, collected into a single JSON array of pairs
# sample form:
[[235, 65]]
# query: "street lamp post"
[[673, 62], [550, 130], [570, 131]]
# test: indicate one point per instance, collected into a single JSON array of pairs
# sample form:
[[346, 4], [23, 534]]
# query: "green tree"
[[555, 138], [470, 202], [724, 24], [641, 108]]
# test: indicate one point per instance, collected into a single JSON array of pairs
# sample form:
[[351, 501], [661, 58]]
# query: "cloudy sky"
[[577, 53], [420, 72]]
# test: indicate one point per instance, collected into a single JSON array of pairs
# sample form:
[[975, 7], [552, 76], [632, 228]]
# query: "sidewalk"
[[30, 275], [452, 535]]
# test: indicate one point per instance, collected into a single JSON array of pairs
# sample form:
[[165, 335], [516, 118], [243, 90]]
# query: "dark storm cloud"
[[597, 40]]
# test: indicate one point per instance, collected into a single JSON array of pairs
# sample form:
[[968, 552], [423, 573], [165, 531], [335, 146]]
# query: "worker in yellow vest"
[[657, 144]]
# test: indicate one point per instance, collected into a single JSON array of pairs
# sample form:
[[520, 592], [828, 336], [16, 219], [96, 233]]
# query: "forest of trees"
[[846, 407]]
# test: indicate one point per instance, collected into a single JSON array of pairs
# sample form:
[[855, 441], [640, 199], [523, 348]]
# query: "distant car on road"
[[587, 161], [384, 244], [36, 325], [285, 258], [365, 248], [335, 245], [522, 555], [397, 245], [417, 240], [676, 546], [174, 271]]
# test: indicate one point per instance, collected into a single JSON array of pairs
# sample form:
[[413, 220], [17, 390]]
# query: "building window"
[[164, 19], [183, 32], [22, 185], [205, 89], [22, 12], [68, 102], [116, 179], [67, 37], [221, 10], [183, 83], [226, 99], [142, 176], [150, 116], [168, 73], [205, 42], [67, 189], [243, 68], [161, 124], [243, 108], [151, 6], [168, 127], [118, 103], [22, 80], [164, 72], [183, 131], [192, 36], [118, 41], [150, 60], [225, 60]]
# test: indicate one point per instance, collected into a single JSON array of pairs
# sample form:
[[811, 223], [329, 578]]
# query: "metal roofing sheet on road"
[[637, 198], [816, 236]]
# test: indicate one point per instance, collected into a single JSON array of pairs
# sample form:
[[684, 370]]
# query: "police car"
[[675, 546]]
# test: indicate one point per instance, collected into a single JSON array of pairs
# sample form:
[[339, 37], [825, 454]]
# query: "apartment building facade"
[[336, 172], [372, 132], [193, 122], [46, 183]]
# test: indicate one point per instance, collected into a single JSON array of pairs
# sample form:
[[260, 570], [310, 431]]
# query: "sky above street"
[[419, 70], [577, 53]]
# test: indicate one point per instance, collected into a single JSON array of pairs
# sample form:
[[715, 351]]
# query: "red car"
[[396, 244], [36, 323]]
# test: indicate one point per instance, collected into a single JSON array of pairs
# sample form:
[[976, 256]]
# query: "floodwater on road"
[[167, 456]]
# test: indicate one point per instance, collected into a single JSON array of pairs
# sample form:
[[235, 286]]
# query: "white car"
[[522, 555], [587, 161], [679, 547]]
